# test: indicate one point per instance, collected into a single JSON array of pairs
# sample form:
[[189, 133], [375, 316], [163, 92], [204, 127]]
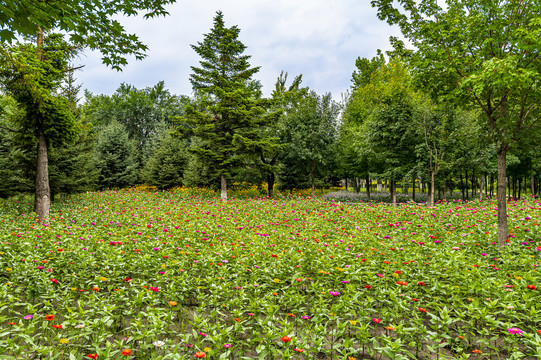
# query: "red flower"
[[531, 287], [55, 281], [57, 326], [422, 310], [398, 272], [285, 338], [477, 351], [11, 323], [93, 356], [368, 287], [539, 332], [237, 319], [421, 283], [298, 350], [49, 317], [127, 352], [200, 354]]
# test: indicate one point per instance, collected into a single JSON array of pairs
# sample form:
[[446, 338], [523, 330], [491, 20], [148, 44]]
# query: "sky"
[[320, 39]]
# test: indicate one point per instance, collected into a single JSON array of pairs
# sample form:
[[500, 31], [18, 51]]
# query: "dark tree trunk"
[[346, 184], [462, 187], [392, 187], [42, 202], [467, 187], [413, 192], [432, 189], [270, 184], [367, 187], [502, 201], [532, 184], [313, 175]]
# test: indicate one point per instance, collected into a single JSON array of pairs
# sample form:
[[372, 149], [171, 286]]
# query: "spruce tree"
[[231, 126]]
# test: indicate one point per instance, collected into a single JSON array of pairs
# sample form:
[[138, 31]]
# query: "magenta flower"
[[227, 346], [515, 331], [334, 293]]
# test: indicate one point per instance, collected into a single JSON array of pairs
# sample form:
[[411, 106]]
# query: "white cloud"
[[319, 38]]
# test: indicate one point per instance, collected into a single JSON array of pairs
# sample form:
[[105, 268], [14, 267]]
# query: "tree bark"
[[532, 184], [313, 174], [392, 187], [270, 185], [481, 188], [413, 192], [223, 187], [42, 202], [432, 188], [368, 187], [502, 200]]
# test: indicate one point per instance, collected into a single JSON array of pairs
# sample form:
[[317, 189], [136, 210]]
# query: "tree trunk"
[[462, 187], [346, 184], [392, 187], [368, 187], [467, 189], [432, 188], [481, 188], [354, 184], [502, 200], [223, 185], [42, 202], [313, 174], [519, 187], [378, 185], [413, 192], [270, 184], [532, 184]]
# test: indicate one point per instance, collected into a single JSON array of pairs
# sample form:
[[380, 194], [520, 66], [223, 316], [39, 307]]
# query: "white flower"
[[158, 343], [80, 326]]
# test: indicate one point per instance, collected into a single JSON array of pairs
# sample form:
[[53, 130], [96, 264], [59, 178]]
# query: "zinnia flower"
[[515, 331], [49, 317], [285, 338], [376, 320], [200, 354], [93, 356], [127, 352], [227, 346]]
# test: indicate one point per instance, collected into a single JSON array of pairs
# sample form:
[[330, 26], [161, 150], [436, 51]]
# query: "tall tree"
[[231, 127], [483, 52], [87, 23]]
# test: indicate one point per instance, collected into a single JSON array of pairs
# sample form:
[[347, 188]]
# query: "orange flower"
[[389, 327], [237, 319], [49, 317], [477, 351], [539, 332], [460, 337], [285, 338], [173, 303], [127, 352], [200, 354]]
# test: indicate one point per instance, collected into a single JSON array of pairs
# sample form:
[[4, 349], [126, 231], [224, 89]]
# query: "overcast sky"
[[319, 38]]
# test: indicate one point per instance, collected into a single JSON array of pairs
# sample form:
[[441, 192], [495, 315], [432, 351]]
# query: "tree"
[[87, 23], [231, 126], [484, 53], [114, 158], [311, 128], [32, 75], [165, 168]]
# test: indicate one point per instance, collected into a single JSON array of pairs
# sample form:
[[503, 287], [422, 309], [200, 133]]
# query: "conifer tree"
[[231, 126]]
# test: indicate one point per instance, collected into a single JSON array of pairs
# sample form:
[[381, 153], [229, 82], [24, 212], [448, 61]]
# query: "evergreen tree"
[[231, 125], [165, 168], [114, 158]]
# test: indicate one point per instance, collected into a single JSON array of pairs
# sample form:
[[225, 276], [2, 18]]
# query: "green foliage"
[[165, 168], [88, 23], [114, 158], [33, 75]]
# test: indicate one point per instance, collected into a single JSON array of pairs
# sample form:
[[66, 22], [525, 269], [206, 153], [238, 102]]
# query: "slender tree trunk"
[[346, 184], [532, 184], [481, 188], [378, 186], [467, 187], [392, 187], [432, 188], [413, 193], [502, 200], [313, 174], [368, 187], [223, 187], [42, 202], [519, 188], [462, 186], [354, 184], [270, 184]]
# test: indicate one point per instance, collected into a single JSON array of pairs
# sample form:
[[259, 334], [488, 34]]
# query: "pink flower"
[[376, 320], [55, 281]]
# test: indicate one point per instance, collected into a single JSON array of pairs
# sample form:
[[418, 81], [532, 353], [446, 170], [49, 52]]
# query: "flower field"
[[176, 275]]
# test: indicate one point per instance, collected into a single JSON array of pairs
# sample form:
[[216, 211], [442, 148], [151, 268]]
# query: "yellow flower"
[[518, 277], [333, 314], [9, 269], [339, 269], [1, 253], [73, 289], [163, 266], [276, 280], [207, 349], [103, 278], [353, 322], [395, 275], [64, 341]]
